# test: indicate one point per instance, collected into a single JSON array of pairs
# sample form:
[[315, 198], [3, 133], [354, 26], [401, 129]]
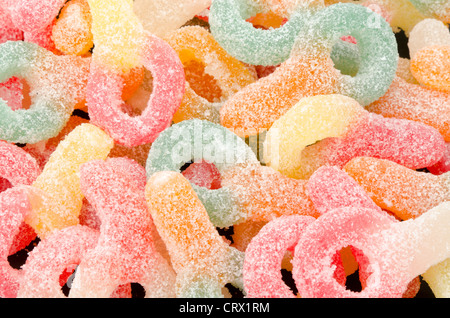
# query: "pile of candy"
[[196, 147]]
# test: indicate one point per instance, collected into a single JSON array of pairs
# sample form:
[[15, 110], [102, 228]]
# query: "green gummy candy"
[[200, 140]]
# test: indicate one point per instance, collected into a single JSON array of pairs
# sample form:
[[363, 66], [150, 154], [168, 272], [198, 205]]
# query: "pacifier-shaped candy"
[[55, 195], [405, 192], [212, 75], [203, 261], [104, 96], [255, 46], [310, 70], [56, 85], [125, 251], [379, 239], [294, 144]]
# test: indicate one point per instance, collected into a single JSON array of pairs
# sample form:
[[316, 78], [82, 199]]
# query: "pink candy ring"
[[105, 105], [49, 259], [126, 251], [264, 254], [14, 206]]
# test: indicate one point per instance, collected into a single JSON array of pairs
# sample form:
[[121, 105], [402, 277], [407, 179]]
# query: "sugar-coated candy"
[[200, 53], [405, 192], [264, 255], [348, 131], [60, 250], [118, 35], [8, 31], [71, 33], [310, 71], [443, 165], [56, 194], [379, 240], [242, 40], [104, 96], [201, 140], [125, 251], [428, 32], [56, 85], [438, 9], [438, 278], [203, 261], [14, 207]]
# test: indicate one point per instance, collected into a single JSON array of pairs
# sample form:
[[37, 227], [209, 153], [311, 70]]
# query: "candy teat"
[[201, 258], [125, 252]]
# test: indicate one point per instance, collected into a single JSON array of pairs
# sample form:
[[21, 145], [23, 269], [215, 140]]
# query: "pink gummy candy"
[[126, 250], [14, 206], [45, 263], [8, 31], [203, 174], [443, 165], [105, 105], [265, 252], [18, 168]]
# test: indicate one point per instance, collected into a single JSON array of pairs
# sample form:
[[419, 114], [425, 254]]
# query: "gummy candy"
[[203, 261], [104, 92], [125, 251], [348, 131], [439, 9], [195, 45]]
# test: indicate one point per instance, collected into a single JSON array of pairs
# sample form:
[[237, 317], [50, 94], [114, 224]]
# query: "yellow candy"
[[310, 120], [56, 196], [438, 278], [118, 34]]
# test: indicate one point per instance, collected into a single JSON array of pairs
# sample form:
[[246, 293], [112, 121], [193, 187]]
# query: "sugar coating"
[[266, 194], [443, 165], [435, 59], [72, 30], [264, 255], [194, 43], [51, 257], [161, 17], [438, 278], [199, 255], [8, 31], [439, 9], [404, 100], [200, 140], [203, 174], [311, 119], [56, 85], [58, 197], [252, 45], [405, 192], [14, 206], [118, 34], [125, 251], [428, 32], [104, 96], [409, 143]]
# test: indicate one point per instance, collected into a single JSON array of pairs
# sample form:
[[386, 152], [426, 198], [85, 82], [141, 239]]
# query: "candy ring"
[[67, 246], [126, 250], [104, 91], [249, 44], [201, 140], [197, 47], [380, 240], [355, 132], [203, 261], [54, 98], [14, 206], [310, 71], [405, 192], [264, 255]]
